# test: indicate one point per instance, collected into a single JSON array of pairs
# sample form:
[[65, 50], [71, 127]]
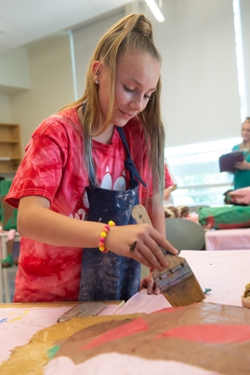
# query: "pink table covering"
[[228, 239], [225, 272]]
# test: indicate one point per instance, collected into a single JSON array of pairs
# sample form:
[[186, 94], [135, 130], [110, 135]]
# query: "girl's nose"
[[137, 104]]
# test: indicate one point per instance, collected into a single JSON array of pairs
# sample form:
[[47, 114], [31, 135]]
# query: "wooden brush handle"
[[140, 214]]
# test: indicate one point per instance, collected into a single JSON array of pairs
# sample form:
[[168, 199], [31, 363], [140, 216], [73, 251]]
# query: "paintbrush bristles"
[[185, 293], [177, 281]]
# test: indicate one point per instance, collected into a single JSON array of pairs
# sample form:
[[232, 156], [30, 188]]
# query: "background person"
[[242, 173], [170, 186]]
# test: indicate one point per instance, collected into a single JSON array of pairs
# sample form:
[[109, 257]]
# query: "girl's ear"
[[96, 69]]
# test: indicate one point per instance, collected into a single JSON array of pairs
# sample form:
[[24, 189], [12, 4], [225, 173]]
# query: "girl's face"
[[137, 75], [245, 132]]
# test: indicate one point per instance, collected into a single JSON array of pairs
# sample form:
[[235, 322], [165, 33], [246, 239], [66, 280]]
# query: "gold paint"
[[247, 291]]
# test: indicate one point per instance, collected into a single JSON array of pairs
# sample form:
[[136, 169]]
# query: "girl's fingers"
[[150, 255], [154, 253], [165, 244], [149, 283], [150, 286], [157, 290], [137, 255], [144, 246]]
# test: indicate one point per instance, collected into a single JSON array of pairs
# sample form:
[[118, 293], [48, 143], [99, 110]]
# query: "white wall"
[[5, 114], [85, 40], [51, 84], [14, 70], [200, 90], [245, 17]]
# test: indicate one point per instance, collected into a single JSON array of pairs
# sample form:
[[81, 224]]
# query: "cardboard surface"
[[33, 337]]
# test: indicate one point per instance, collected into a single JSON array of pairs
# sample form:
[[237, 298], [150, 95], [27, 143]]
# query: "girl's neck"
[[106, 136]]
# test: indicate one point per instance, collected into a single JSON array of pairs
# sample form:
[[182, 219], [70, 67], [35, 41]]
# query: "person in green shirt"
[[242, 172]]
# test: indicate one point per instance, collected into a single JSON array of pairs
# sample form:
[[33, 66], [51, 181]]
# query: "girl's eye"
[[148, 97], [127, 89]]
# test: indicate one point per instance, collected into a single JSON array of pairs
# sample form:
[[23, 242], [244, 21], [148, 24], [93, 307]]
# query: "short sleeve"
[[168, 180], [40, 171]]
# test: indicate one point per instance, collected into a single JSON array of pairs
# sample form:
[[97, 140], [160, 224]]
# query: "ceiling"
[[24, 21]]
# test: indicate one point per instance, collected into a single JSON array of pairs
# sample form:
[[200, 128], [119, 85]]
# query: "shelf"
[[9, 141], [10, 148]]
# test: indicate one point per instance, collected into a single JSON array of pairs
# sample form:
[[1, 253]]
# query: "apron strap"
[[129, 164]]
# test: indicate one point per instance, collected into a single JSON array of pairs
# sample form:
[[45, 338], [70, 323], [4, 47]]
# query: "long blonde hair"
[[135, 32]]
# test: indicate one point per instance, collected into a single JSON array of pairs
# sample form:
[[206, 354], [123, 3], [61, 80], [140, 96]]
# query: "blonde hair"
[[131, 32]]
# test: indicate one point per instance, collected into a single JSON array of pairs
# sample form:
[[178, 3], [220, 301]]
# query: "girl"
[[87, 166]]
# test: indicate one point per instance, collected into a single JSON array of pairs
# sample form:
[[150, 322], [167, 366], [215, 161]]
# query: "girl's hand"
[[141, 242], [149, 283], [242, 165]]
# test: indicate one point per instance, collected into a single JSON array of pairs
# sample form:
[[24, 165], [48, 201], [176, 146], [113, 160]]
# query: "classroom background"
[[205, 76]]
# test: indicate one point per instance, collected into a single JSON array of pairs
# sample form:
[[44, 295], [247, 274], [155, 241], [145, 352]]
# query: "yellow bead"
[[103, 234]]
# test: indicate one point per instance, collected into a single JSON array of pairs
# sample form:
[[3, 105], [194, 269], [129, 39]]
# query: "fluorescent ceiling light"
[[155, 10]]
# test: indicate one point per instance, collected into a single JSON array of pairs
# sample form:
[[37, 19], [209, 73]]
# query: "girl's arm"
[[38, 222]]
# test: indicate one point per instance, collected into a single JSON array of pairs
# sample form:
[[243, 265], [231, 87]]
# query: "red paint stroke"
[[210, 333], [136, 326]]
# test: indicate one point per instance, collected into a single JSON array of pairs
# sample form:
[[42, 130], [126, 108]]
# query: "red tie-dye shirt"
[[53, 168]]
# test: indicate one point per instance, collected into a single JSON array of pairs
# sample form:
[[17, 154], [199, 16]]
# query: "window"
[[240, 57], [195, 168]]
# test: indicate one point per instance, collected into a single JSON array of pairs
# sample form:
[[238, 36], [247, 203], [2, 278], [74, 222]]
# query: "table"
[[4, 283], [225, 272], [228, 239]]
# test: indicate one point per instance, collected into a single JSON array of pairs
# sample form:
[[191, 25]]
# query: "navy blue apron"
[[107, 276]]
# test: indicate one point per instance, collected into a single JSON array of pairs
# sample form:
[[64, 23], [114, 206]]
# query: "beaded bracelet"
[[103, 236]]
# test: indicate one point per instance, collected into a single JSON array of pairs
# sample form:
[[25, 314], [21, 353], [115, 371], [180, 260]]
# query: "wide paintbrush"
[[177, 281]]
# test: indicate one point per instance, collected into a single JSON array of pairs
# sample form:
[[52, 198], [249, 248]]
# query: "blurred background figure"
[[170, 186], [242, 173]]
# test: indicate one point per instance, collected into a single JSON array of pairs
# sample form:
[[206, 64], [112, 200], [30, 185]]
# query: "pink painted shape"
[[137, 325], [210, 333]]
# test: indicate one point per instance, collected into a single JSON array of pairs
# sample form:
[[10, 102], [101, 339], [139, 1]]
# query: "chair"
[[185, 234]]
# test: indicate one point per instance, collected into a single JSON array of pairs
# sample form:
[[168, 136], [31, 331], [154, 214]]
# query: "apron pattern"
[[109, 276]]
